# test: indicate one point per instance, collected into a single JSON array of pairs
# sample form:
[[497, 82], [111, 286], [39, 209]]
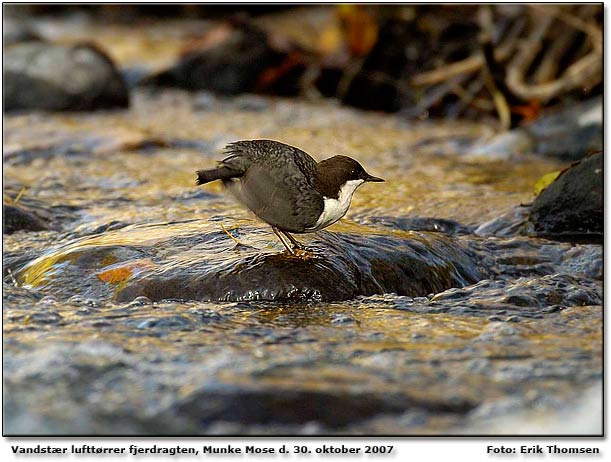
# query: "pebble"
[[140, 301]]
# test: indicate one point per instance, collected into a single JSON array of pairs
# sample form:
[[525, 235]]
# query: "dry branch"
[[471, 64]]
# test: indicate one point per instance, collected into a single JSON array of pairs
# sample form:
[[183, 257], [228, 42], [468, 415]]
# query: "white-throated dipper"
[[286, 188]]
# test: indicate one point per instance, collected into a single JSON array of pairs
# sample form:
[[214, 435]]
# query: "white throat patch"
[[334, 209]]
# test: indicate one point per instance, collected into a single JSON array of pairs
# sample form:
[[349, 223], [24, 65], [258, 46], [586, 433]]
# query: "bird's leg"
[[282, 238], [295, 242]]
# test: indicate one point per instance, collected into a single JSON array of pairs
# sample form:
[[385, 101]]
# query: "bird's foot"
[[299, 247], [293, 246], [304, 253]]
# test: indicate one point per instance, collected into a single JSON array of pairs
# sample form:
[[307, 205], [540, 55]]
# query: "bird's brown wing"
[[285, 201]]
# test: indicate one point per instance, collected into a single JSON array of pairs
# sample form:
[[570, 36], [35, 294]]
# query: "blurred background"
[[501, 62]]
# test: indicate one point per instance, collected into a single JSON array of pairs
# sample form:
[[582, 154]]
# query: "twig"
[[468, 97], [437, 93], [529, 48], [548, 68], [587, 69], [562, 40], [471, 64], [19, 195], [494, 78], [229, 234], [578, 23]]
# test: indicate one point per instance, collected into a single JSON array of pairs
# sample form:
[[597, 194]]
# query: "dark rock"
[[440, 225], [26, 209], [17, 218], [46, 76], [333, 408], [572, 206], [568, 133], [510, 223], [235, 65], [341, 266]]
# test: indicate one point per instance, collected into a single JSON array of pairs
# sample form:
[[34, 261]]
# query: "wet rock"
[[77, 300], [572, 206], [510, 300], [25, 209], [331, 408], [48, 300], [45, 317], [510, 223], [419, 224], [165, 323], [523, 256], [504, 145], [17, 218], [584, 259], [342, 319], [568, 134], [206, 316], [140, 301], [46, 76], [202, 264], [235, 60]]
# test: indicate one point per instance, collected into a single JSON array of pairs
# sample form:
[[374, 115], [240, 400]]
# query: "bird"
[[287, 188]]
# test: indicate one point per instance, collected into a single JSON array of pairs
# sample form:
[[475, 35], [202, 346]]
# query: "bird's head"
[[339, 172]]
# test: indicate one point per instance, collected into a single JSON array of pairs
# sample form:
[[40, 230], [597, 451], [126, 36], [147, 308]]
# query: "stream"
[[136, 313]]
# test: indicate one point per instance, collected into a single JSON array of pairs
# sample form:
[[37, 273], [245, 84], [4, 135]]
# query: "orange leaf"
[[271, 75], [124, 272], [528, 111], [116, 275]]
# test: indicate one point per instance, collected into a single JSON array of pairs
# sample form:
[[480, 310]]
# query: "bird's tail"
[[222, 172]]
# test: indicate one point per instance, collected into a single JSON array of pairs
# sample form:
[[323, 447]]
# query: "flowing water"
[[156, 306]]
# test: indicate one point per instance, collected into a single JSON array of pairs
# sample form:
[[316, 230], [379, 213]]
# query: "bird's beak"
[[373, 179]]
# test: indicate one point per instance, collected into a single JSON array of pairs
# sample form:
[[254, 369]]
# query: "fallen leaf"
[[545, 181]]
